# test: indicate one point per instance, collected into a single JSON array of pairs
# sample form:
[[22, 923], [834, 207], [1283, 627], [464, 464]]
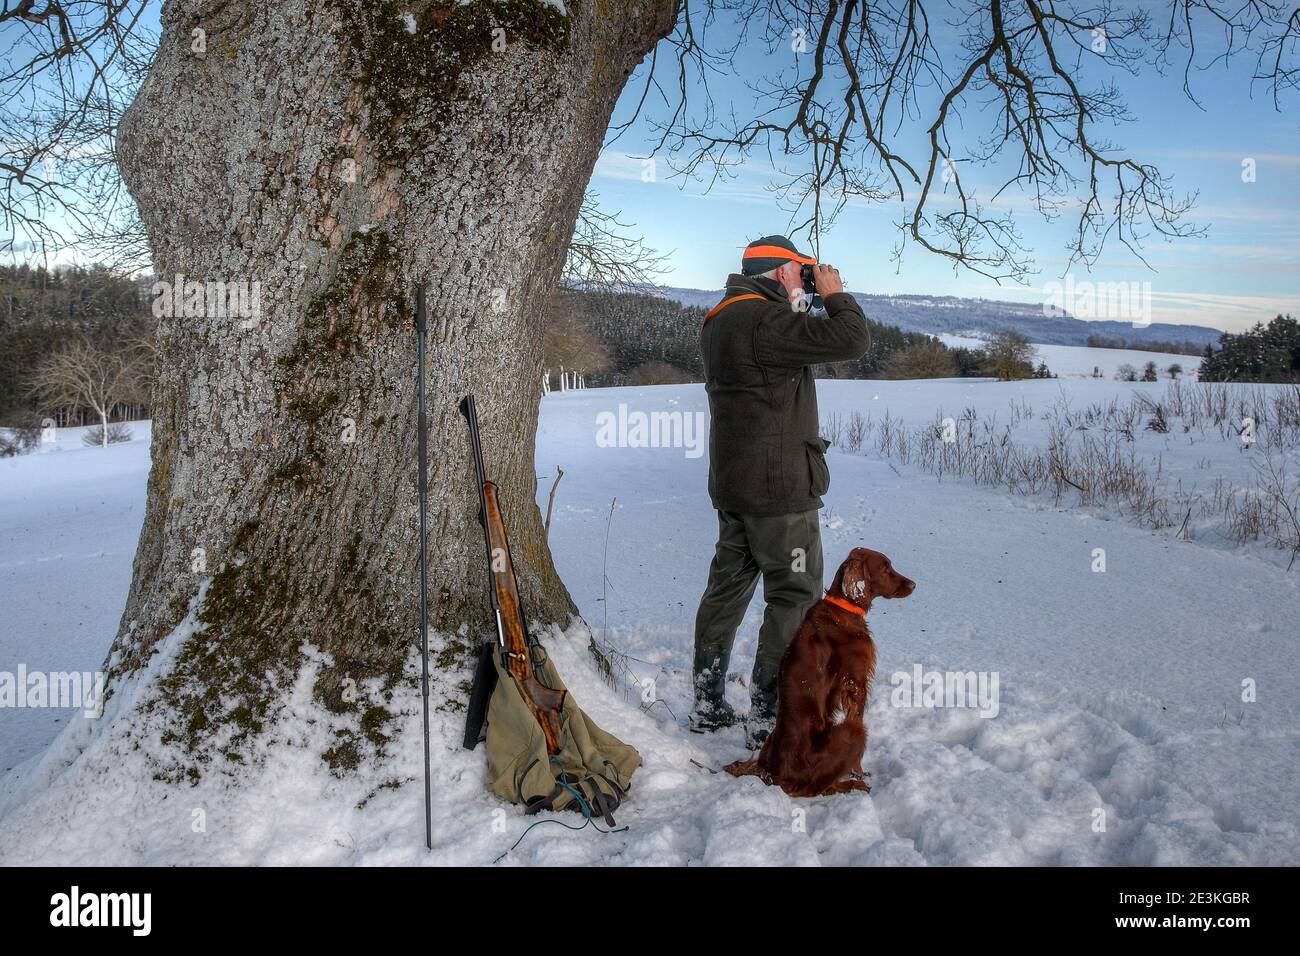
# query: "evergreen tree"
[[1261, 354]]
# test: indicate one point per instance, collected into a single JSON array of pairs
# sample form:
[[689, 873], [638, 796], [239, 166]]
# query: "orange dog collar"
[[840, 602]]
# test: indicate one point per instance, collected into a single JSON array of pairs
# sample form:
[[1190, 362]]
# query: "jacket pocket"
[[819, 473]]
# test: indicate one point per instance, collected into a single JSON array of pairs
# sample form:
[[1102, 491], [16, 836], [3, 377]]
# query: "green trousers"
[[787, 551]]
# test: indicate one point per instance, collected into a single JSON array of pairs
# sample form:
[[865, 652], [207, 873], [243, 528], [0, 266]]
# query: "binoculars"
[[810, 287]]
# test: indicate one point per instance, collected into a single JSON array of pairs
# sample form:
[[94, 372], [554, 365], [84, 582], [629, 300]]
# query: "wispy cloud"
[[1216, 310], [750, 181], [614, 165], [1227, 155]]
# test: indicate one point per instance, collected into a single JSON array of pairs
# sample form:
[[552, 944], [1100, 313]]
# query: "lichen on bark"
[[416, 66], [326, 372]]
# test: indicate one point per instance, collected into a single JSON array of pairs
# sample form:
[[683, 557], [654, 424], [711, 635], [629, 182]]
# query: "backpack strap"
[[726, 302], [598, 801], [613, 781], [590, 796], [614, 799], [537, 803], [563, 784]]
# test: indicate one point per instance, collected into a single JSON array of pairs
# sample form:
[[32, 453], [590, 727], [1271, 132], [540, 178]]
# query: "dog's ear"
[[855, 577]]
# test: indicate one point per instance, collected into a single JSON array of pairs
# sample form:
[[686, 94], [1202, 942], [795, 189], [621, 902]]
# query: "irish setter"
[[817, 744]]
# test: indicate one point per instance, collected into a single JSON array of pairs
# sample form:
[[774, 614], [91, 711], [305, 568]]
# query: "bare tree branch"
[[83, 374], [603, 255], [69, 69], [1012, 114], [1003, 91]]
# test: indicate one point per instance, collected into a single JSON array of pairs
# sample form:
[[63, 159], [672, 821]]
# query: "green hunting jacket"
[[765, 453]]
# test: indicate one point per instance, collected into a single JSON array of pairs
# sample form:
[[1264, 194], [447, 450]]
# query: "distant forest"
[[1186, 347], [630, 338], [610, 338], [980, 318], [43, 312]]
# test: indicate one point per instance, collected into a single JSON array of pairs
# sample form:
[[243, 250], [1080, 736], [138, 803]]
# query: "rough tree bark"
[[335, 152]]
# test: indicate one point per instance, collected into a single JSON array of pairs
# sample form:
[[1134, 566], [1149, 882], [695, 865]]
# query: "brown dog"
[[817, 744]]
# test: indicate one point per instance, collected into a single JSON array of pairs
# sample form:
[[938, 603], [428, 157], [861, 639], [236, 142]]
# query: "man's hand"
[[827, 280]]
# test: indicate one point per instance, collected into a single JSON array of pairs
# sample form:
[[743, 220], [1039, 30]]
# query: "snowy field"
[[69, 520], [1077, 361], [1120, 737]]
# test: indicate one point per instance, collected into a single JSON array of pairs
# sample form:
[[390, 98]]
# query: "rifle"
[[517, 648]]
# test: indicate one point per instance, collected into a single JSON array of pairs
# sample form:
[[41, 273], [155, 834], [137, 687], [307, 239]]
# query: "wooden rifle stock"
[[545, 702], [513, 642]]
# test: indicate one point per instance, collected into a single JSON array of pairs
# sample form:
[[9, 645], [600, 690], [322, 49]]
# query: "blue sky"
[[1244, 269]]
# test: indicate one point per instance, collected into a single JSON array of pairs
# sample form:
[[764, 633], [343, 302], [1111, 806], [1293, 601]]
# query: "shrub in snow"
[[1158, 423], [657, 373], [9, 445], [19, 440], [117, 432], [928, 358]]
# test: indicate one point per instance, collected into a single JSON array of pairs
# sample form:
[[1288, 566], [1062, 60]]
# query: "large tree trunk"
[[335, 153]]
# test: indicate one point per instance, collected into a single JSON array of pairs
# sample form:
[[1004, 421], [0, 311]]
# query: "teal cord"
[[587, 821]]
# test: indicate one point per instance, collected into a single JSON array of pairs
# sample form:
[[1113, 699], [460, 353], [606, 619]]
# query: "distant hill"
[[937, 314]]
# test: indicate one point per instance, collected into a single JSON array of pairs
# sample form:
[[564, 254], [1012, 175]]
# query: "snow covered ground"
[[1120, 737], [69, 520]]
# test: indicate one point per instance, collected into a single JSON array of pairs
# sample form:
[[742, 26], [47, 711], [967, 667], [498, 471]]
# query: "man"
[[767, 465]]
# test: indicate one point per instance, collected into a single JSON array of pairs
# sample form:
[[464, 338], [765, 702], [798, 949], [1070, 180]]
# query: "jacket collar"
[[738, 284]]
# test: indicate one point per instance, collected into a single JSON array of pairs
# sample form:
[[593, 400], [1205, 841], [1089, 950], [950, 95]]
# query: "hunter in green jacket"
[[767, 465]]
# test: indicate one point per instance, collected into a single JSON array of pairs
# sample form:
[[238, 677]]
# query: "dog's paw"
[[858, 781], [749, 768]]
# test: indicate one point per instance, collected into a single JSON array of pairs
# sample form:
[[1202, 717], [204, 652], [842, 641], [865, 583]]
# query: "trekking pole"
[[422, 440]]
